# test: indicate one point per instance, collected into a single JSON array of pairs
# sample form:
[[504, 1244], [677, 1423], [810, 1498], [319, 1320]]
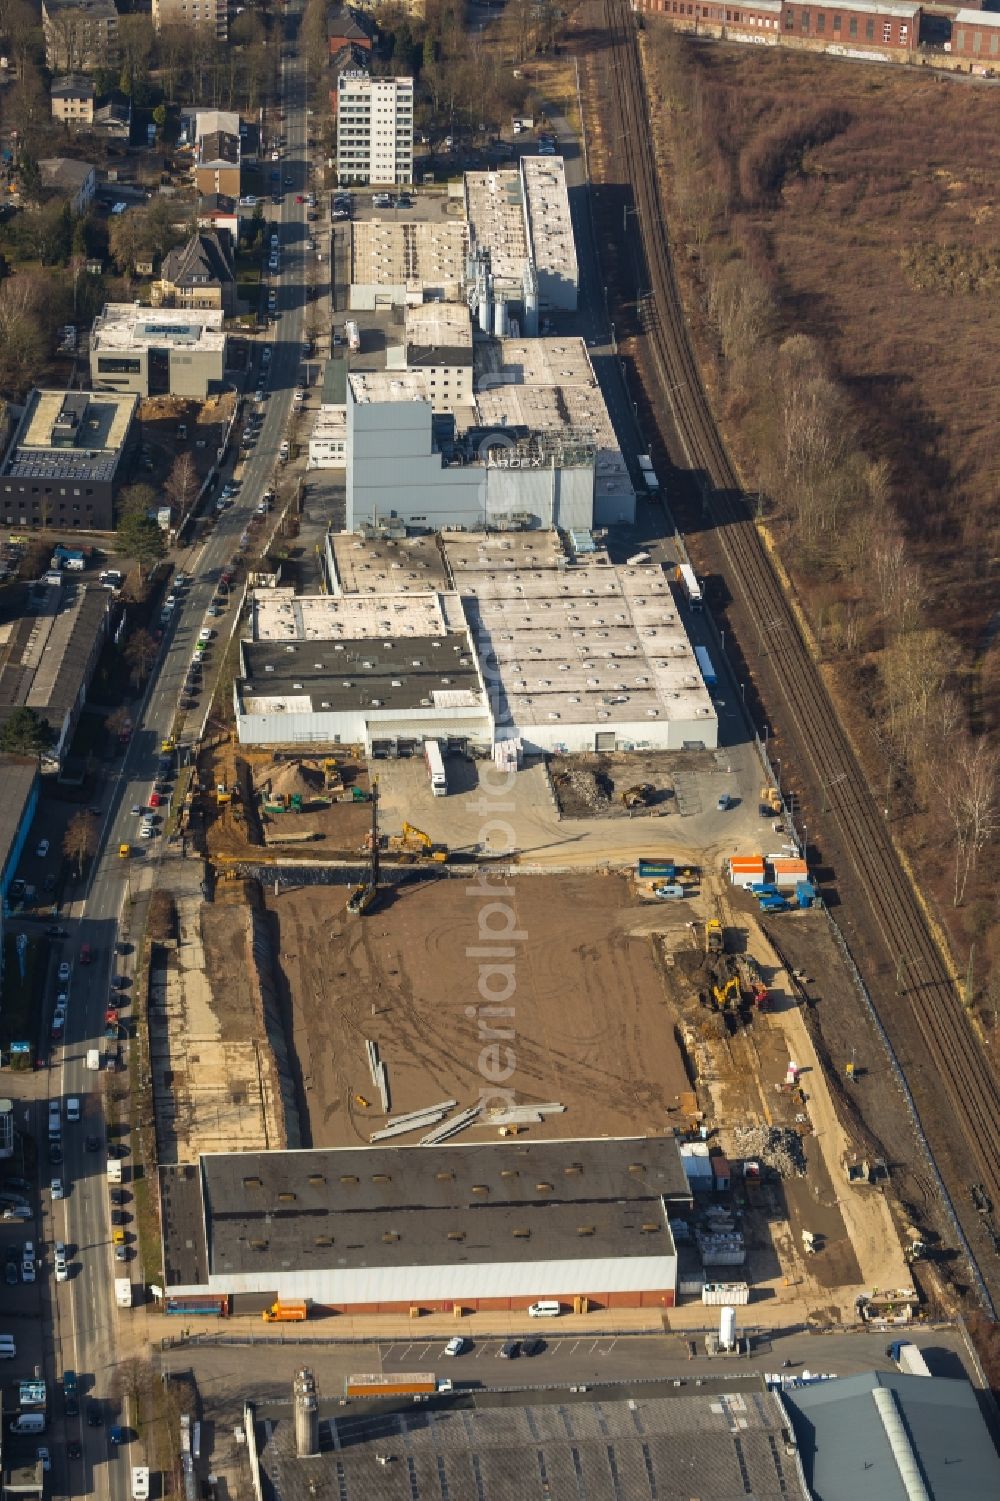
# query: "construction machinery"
[[637, 797], [223, 794], [752, 982], [359, 1099], [355, 794], [364, 896], [332, 779], [414, 841], [770, 802], [713, 936]]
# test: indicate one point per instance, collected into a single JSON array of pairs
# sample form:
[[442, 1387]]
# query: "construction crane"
[[364, 896]]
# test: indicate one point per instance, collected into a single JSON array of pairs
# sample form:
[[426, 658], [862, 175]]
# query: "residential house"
[[72, 98], [193, 15], [113, 116], [346, 29], [200, 274], [76, 181], [217, 164], [219, 211]]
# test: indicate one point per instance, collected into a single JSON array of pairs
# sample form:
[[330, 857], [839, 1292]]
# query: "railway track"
[[923, 981]]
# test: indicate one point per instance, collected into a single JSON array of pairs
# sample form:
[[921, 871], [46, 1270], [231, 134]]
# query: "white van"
[[140, 1483], [55, 1118], [73, 1110], [29, 1422], [545, 1310], [93, 1058]]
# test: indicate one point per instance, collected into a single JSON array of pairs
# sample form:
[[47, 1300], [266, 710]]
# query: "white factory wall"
[[645, 734], [360, 726], [615, 509], [435, 1284]]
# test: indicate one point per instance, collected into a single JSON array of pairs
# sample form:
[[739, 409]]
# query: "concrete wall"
[[626, 1281], [190, 371], [559, 738], [360, 727]]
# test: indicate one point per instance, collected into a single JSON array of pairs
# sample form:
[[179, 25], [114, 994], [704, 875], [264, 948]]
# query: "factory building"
[[386, 672], [161, 352], [580, 658], [975, 35], [67, 459], [523, 254], [475, 1227], [535, 449], [846, 28], [400, 262]]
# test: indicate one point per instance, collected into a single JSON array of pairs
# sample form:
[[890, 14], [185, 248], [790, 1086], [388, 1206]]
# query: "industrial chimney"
[[306, 1415]]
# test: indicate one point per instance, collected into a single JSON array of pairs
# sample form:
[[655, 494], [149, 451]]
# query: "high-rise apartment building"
[[374, 130], [205, 15]]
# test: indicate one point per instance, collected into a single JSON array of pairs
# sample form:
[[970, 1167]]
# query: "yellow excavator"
[[414, 841]]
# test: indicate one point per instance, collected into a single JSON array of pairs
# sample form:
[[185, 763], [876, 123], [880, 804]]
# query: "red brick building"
[[880, 25], [975, 35]]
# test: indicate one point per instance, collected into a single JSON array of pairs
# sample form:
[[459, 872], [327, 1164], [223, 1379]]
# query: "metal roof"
[[862, 1437]]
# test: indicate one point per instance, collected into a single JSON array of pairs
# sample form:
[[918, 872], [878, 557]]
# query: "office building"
[[67, 459], [161, 352]]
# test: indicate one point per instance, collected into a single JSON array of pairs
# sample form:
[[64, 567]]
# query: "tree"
[[133, 1378], [972, 797], [125, 240], [26, 733], [160, 115], [137, 500], [80, 840], [182, 485], [22, 337], [140, 653], [118, 721], [142, 539]]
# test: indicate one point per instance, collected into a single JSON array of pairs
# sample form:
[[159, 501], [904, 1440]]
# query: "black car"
[[55, 1153], [16, 1185], [10, 1274], [510, 1349], [117, 1149], [533, 1347], [119, 1196], [74, 1449], [93, 1143], [95, 1417]]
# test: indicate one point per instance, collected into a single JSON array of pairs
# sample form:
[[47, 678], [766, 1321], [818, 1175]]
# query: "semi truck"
[[649, 478], [388, 1384], [908, 1357], [294, 1311], [353, 335], [685, 576], [199, 1304]]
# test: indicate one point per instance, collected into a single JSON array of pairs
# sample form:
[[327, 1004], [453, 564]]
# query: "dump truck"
[[388, 1384], [713, 936], [294, 1311]]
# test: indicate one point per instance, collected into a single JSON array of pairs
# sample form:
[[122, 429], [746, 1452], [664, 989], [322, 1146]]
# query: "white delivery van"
[[114, 1170], [123, 1292], [29, 1422], [545, 1310], [140, 1483], [93, 1058]]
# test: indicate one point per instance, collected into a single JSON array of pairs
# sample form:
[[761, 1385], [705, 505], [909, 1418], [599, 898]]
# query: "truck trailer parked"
[[908, 1357], [388, 1384], [685, 576]]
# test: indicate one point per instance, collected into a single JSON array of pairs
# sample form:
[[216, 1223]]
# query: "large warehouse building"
[[497, 1225], [583, 658], [360, 670]]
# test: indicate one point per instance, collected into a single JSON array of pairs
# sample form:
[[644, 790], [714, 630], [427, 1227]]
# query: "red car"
[[299, 198], [85, 954], [155, 799]]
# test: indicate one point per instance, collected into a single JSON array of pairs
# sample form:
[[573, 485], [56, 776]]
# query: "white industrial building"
[[536, 448], [328, 439], [401, 262], [583, 656], [374, 130], [158, 351], [523, 253], [495, 1225], [384, 671]]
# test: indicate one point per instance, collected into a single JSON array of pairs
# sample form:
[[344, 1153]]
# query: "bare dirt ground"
[[589, 1024], [592, 786]]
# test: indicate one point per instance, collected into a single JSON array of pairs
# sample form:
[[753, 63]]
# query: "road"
[[228, 1374], [83, 1313]]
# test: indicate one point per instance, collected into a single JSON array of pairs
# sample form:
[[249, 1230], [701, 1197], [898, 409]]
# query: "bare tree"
[[118, 721], [140, 652], [182, 484], [80, 840], [133, 1379], [971, 793]]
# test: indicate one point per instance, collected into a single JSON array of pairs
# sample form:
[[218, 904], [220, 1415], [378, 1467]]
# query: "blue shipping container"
[[657, 870], [705, 663]]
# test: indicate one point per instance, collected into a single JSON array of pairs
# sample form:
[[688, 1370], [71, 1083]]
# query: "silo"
[[727, 1329], [306, 1415]]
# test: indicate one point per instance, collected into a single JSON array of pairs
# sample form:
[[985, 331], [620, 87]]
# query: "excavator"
[[364, 896], [414, 841]]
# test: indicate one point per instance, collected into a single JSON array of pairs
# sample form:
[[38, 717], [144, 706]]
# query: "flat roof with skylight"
[[123, 325]]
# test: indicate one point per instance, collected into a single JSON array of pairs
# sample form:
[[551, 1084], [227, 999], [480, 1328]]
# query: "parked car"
[[42, 849], [64, 972]]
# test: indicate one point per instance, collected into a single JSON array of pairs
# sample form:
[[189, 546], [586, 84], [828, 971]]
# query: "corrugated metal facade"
[[625, 1282]]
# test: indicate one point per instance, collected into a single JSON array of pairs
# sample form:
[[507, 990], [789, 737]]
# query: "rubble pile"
[[586, 787], [777, 1147]]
